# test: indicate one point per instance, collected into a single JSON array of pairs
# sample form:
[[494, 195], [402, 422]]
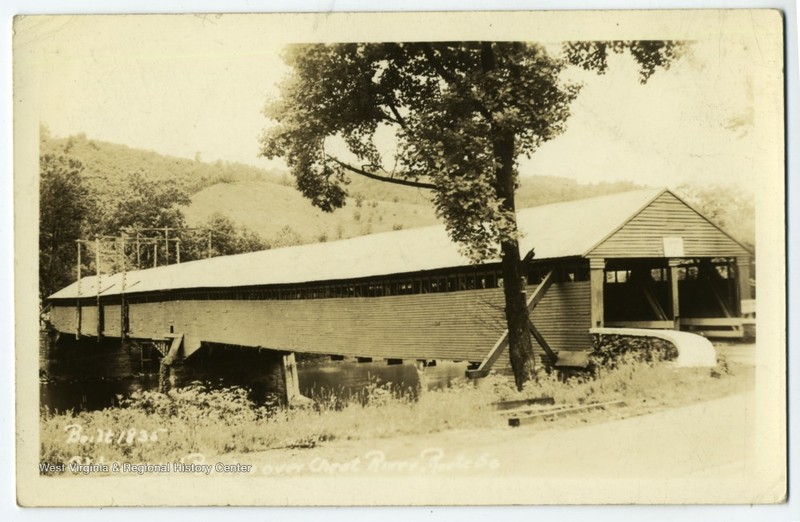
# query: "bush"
[[610, 350]]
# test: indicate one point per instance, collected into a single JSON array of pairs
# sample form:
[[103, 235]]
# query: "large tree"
[[461, 114]]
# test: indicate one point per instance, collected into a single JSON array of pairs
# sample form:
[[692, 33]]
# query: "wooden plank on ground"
[[510, 405], [544, 415]]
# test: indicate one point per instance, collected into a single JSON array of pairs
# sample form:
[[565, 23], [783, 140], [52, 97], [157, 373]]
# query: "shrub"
[[610, 349]]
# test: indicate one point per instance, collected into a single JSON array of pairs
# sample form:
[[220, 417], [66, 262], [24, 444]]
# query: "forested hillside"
[[110, 162]]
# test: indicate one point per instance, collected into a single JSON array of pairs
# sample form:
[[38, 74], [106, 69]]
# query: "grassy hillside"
[[267, 208], [541, 190], [266, 201]]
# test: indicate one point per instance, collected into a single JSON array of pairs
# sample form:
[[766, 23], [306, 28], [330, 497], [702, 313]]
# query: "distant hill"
[[267, 203], [542, 190], [374, 206], [267, 208], [111, 162]]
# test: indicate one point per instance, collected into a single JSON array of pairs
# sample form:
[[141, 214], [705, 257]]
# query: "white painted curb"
[[693, 350]]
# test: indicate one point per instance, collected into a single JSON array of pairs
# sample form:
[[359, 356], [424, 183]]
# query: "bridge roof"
[[557, 230]]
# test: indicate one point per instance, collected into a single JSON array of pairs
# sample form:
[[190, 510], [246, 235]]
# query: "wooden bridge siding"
[[451, 326], [444, 326], [563, 317], [667, 216], [63, 318], [111, 320]]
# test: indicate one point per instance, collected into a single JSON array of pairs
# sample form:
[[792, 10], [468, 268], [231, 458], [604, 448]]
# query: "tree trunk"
[[520, 346]]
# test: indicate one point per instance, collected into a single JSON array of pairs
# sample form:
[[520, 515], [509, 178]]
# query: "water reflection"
[[89, 395], [343, 378], [349, 377]]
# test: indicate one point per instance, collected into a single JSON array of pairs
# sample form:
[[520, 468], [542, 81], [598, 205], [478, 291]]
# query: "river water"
[[316, 378]]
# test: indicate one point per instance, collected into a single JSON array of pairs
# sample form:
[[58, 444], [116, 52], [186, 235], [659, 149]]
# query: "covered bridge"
[[643, 259]]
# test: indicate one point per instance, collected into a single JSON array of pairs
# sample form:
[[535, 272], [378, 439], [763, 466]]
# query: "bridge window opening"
[[405, 288], [617, 276]]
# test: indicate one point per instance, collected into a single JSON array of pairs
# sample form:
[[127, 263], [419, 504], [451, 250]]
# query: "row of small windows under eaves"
[[380, 287]]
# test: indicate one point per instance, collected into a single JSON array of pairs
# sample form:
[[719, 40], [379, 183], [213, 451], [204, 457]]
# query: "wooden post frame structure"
[[643, 259], [597, 276]]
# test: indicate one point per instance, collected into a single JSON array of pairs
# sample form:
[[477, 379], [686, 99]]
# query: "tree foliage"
[[226, 238], [462, 113], [64, 208], [139, 202], [727, 206], [445, 102], [650, 55]]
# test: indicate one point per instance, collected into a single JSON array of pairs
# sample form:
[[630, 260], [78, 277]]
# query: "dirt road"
[[704, 439]]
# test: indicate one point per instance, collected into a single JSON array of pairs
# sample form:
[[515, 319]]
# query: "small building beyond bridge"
[[642, 259]]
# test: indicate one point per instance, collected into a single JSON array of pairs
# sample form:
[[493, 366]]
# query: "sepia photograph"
[[351, 259]]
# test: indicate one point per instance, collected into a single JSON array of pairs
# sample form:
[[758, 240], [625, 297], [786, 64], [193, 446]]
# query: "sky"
[[197, 84]]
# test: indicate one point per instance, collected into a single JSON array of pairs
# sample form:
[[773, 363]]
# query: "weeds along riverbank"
[[152, 427]]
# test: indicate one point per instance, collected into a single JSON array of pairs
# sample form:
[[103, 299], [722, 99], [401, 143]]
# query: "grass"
[[162, 428]]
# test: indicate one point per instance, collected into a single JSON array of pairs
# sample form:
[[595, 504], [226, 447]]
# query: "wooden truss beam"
[[502, 343]]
